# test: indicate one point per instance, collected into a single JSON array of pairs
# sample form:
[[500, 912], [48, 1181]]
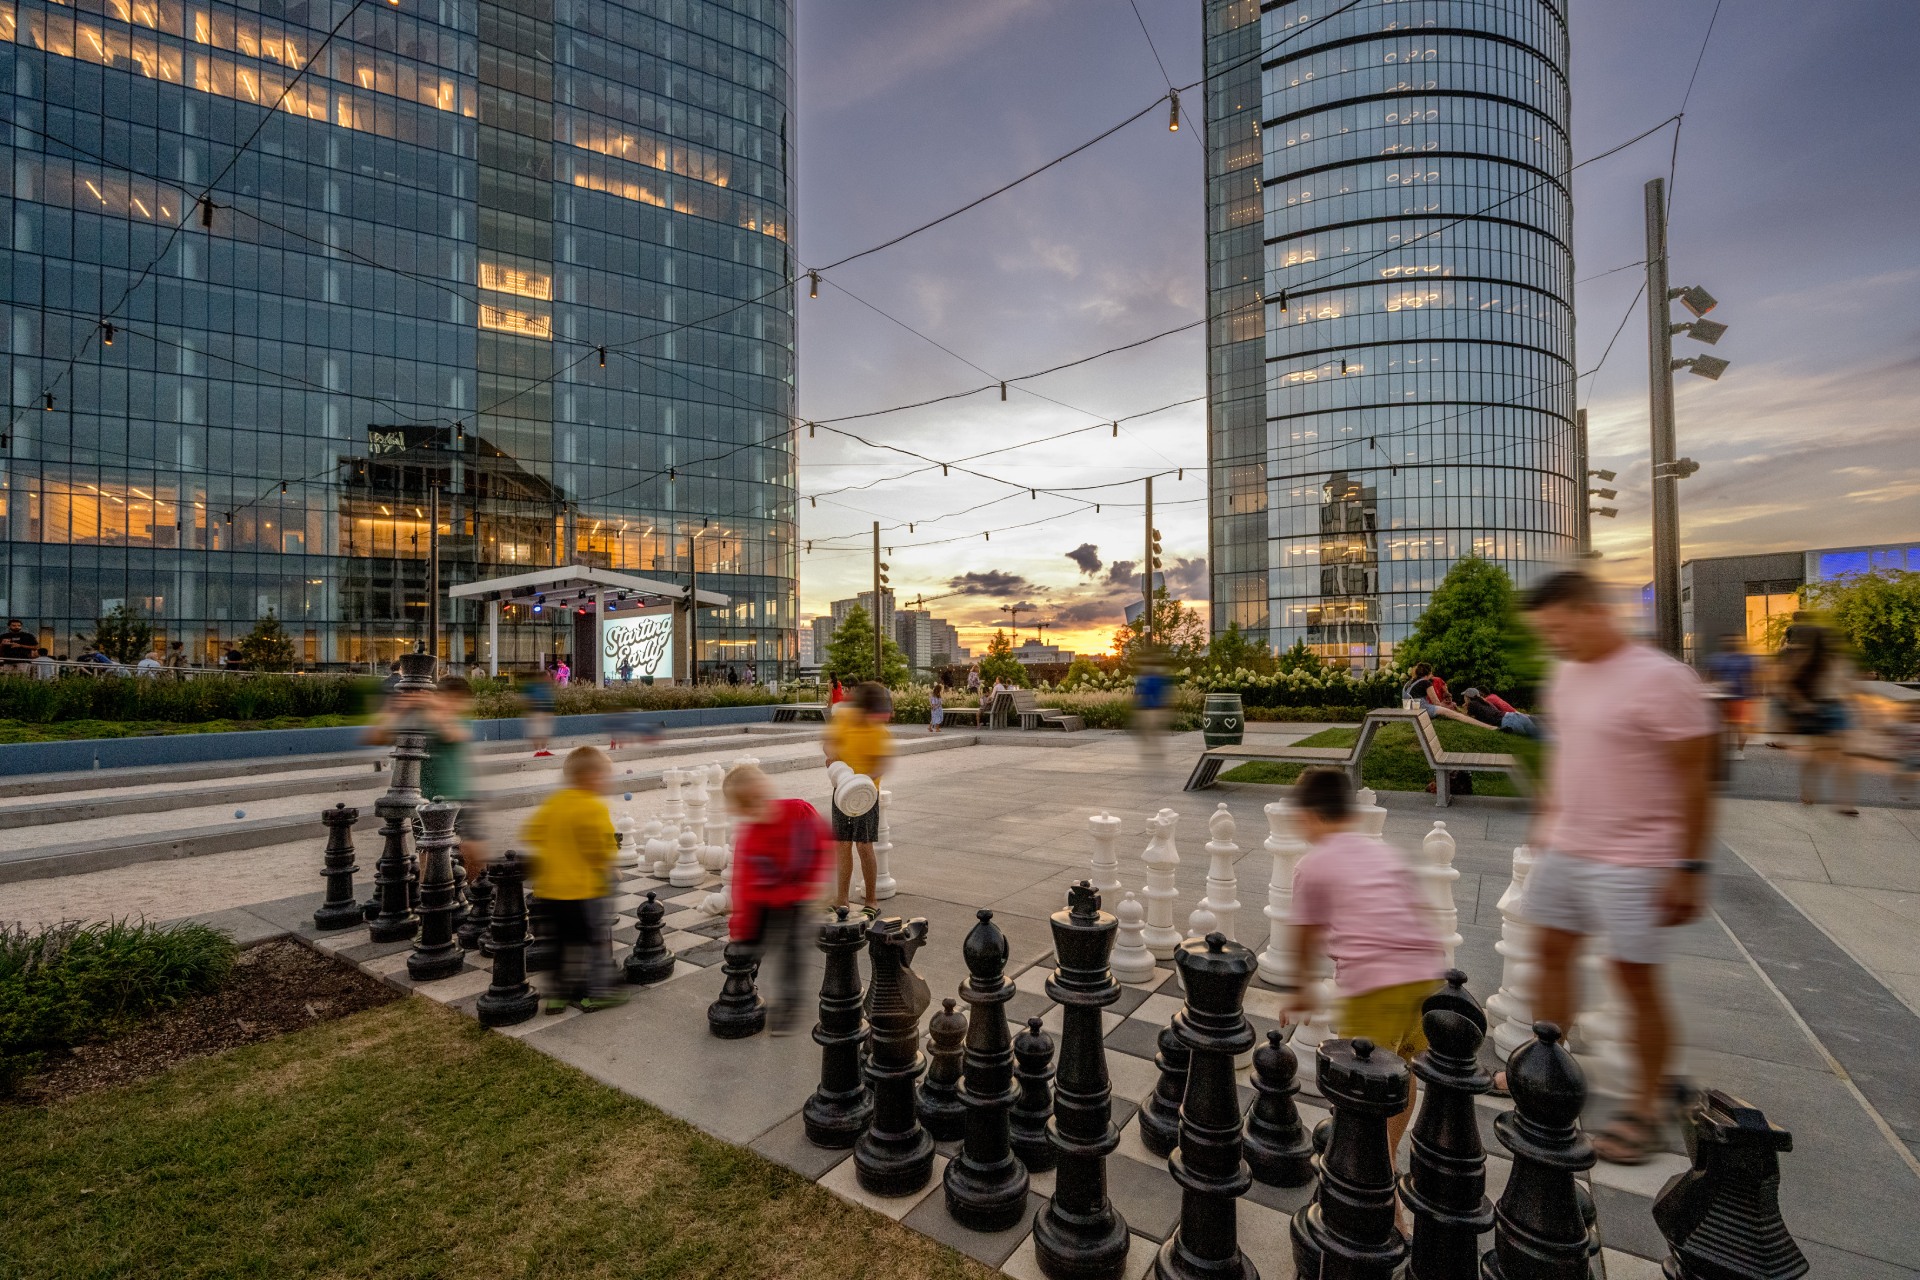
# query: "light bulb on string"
[[1173, 116]]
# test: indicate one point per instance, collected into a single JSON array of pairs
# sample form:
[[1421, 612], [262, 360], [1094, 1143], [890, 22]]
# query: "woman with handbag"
[[1815, 687]]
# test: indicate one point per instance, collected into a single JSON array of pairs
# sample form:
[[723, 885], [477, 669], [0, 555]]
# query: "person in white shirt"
[[151, 666]]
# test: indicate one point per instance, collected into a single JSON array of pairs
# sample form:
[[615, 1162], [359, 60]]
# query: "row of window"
[[1338, 137], [1435, 186], [1403, 25], [1448, 64]]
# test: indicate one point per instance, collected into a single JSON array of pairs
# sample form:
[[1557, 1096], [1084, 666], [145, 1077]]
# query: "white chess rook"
[[1161, 857], [1104, 829], [884, 885], [1131, 962], [676, 806], [1223, 883], [1511, 1007], [1438, 876], [1286, 849]]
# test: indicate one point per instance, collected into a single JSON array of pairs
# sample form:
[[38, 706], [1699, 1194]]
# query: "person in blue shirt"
[[1735, 676]]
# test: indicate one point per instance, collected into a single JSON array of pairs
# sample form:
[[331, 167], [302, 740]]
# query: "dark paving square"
[[706, 955], [711, 929], [1146, 1196], [375, 950], [786, 1144], [1123, 1112], [1135, 1036], [1131, 998], [1285, 1199], [1026, 1005], [1626, 1222], [930, 1218]]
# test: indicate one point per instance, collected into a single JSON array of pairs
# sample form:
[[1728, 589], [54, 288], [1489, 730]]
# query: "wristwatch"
[[1694, 865]]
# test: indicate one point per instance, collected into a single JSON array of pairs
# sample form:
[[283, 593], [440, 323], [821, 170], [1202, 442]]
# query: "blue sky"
[[1796, 204]]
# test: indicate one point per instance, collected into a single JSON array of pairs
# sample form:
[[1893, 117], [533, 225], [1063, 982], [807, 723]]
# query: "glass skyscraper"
[[522, 258], [1390, 339]]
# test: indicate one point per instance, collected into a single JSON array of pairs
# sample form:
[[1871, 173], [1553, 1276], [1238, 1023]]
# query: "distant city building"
[[1748, 595], [822, 629], [1031, 652], [946, 640], [809, 655], [913, 632], [884, 620]]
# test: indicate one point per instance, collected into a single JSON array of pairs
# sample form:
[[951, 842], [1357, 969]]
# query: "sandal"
[[1628, 1138], [1498, 1089]]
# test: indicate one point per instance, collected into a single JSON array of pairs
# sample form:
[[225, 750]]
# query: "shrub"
[[122, 635], [194, 701], [498, 700], [1473, 635], [267, 647]]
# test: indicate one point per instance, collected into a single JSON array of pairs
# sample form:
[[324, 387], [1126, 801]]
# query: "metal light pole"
[[433, 572], [1666, 483], [1585, 513], [1146, 572], [879, 582], [693, 604]]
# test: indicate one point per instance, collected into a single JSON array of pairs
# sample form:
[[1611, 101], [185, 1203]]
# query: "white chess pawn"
[[1372, 818], [884, 885], [1161, 858], [1201, 922], [1438, 875], [1223, 883], [1286, 849], [1104, 828], [1131, 962], [627, 841], [1511, 1007], [687, 872]]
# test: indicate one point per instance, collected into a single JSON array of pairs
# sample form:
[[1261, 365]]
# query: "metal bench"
[[1034, 716], [970, 714], [792, 711]]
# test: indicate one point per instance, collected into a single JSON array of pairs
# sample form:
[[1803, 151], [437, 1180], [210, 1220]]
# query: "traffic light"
[[1153, 553], [880, 575]]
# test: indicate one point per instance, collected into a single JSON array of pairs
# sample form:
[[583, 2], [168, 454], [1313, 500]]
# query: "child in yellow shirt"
[[572, 844], [857, 736]]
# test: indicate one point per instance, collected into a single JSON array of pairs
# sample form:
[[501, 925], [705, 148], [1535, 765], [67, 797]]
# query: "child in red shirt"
[[781, 854]]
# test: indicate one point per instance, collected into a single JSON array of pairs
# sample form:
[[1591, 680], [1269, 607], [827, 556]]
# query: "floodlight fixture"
[[1708, 367], [1695, 299], [1707, 331], [1605, 495], [1601, 475], [1607, 512]]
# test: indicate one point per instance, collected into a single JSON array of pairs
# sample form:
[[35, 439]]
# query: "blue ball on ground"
[[239, 813]]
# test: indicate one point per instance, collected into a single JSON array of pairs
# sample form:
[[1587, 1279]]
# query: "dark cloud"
[[1091, 612], [991, 582], [1026, 606], [1120, 573], [1187, 579], [1087, 557]]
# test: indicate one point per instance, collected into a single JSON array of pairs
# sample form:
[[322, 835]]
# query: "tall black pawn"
[[1279, 1150], [1349, 1229], [649, 961], [1079, 1235], [1721, 1218], [393, 875], [508, 999], [1033, 1069], [1446, 1189], [435, 953], [472, 932], [1160, 1113], [940, 1109], [339, 910], [842, 1107], [1207, 1162], [543, 948], [739, 1011], [1538, 1230], [986, 1187], [894, 1157]]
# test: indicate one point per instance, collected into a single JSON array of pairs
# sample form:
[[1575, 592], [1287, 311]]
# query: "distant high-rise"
[[1390, 335]]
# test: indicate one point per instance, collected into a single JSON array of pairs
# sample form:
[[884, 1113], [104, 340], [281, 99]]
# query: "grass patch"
[[1395, 763], [75, 730], [407, 1141]]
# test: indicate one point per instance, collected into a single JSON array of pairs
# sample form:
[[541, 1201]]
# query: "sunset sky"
[[1796, 204]]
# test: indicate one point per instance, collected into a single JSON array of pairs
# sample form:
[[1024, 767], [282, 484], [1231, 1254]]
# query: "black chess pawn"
[[1538, 1230], [1207, 1162], [1033, 1068], [472, 933], [508, 999], [649, 961], [435, 953], [339, 910], [1160, 1113], [1079, 1235], [1279, 1150], [940, 1109], [739, 1012], [894, 1157], [1446, 1189], [393, 875], [986, 1187], [840, 1109], [1721, 1219], [543, 945], [1349, 1228]]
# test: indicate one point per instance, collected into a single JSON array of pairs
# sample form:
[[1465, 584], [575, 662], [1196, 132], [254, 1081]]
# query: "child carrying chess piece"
[[446, 774], [1355, 896], [779, 865], [857, 737], [572, 846]]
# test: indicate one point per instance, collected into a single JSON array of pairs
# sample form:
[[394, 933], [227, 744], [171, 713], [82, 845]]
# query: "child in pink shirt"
[[1354, 896]]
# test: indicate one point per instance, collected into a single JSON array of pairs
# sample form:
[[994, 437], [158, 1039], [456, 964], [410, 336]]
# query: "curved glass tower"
[[524, 257], [1415, 297]]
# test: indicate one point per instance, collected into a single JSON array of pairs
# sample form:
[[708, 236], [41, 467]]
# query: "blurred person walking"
[[1816, 685], [779, 865], [857, 737], [1622, 825], [1735, 677], [1152, 705], [537, 697], [572, 843]]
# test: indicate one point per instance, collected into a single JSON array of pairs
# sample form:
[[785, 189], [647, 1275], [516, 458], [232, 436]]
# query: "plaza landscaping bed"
[[407, 1141], [1395, 762]]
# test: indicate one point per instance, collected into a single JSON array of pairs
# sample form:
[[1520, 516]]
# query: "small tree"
[[1232, 651], [1001, 665], [1178, 632], [266, 647], [1472, 632], [1300, 658], [1878, 614], [121, 634], [850, 653]]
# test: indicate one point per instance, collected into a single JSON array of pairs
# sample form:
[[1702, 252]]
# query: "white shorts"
[[1580, 895]]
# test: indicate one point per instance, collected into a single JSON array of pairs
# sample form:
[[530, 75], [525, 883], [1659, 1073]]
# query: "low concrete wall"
[[17, 758]]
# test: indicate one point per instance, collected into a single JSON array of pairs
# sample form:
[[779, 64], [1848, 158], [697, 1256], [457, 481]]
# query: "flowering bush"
[[1301, 688]]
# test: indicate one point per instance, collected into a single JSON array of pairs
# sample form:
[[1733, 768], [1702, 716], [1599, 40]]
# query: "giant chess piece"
[[687, 873], [339, 910], [435, 953], [1161, 857], [1279, 1149], [1348, 1229], [393, 919], [1104, 829], [1286, 849], [1539, 1232], [1371, 818], [940, 1108], [1208, 1162], [649, 961], [1721, 1219], [1512, 1004], [1132, 962], [1079, 1235], [986, 1187], [508, 999], [472, 933], [739, 1011], [894, 1157], [839, 1110], [543, 945], [1599, 1036], [1160, 1113], [626, 840], [1446, 1190], [657, 860], [674, 811], [1223, 883], [1437, 878], [1033, 1068], [884, 885]]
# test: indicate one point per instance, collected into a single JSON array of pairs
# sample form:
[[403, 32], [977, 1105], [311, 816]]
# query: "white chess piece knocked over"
[[1223, 882], [1131, 962], [1286, 849], [1511, 1007], [1104, 829], [659, 848], [1161, 858], [1437, 878], [854, 793]]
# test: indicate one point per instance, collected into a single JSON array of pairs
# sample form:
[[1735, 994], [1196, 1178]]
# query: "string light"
[[1003, 391], [603, 357], [1283, 300], [106, 333], [283, 488], [49, 404], [1173, 119], [206, 213], [813, 284]]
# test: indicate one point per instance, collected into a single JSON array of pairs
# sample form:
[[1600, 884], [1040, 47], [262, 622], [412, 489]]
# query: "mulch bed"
[[275, 988]]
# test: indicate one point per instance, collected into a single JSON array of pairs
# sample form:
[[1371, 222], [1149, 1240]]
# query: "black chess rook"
[[649, 961], [1349, 1230], [940, 1109], [1721, 1218], [1033, 1070], [986, 1186], [1279, 1150], [1539, 1232], [1446, 1189], [508, 999], [894, 1157], [435, 953], [840, 1109], [739, 1011], [339, 910]]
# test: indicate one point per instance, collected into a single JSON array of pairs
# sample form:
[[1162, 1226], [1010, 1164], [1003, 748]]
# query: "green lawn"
[[70, 730], [406, 1141], [1394, 762]]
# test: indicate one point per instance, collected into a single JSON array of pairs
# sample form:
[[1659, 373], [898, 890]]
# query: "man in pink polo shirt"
[[1621, 829]]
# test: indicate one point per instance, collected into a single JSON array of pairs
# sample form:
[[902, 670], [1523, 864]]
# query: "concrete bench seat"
[[1442, 761], [794, 711]]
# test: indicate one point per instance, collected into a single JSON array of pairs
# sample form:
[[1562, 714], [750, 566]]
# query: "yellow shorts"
[[1388, 1016]]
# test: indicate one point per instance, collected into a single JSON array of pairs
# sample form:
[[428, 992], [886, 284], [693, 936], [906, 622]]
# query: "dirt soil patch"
[[275, 988]]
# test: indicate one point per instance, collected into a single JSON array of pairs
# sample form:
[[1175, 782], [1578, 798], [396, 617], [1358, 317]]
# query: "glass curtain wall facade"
[[1416, 282], [522, 259]]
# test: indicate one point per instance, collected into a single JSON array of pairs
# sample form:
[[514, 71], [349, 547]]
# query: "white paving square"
[[845, 1183], [1140, 1254], [1158, 1009], [461, 985]]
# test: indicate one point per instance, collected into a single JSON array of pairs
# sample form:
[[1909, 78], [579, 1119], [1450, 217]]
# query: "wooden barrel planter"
[[1224, 721]]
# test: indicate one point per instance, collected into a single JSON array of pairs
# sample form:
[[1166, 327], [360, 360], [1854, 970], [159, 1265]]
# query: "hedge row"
[[85, 697]]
